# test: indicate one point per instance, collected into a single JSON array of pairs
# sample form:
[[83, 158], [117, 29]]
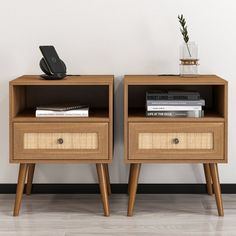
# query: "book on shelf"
[[200, 102], [62, 107], [174, 103], [189, 114], [174, 108], [65, 110], [172, 95]]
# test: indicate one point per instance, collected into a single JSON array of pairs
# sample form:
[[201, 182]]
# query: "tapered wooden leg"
[[103, 187], [108, 179], [208, 178], [133, 187], [20, 188], [216, 186], [30, 177], [130, 174]]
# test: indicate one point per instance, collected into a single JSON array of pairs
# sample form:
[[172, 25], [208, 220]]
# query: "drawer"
[[176, 141], [60, 141]]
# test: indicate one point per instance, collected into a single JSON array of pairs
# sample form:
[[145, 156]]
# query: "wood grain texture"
[[103, 188], [217, 189], [80, 141], [218, 114], [21, 91], [208, 178], [30, 177], [133, 187], [20, 188], [155, 214], [69, 80], [61, 140], [174, 80], [154, 141], [202, 140], [107, 179], [129, 180], [111, 118]]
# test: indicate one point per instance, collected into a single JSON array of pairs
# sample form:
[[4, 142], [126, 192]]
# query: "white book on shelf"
[[174, 108], [200, 102], [69, 113], [195, 114]]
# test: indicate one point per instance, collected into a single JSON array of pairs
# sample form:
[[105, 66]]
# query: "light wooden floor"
[[71, 215]]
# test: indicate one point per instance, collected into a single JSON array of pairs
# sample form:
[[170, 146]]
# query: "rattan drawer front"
[[176, 141], [61, 141]]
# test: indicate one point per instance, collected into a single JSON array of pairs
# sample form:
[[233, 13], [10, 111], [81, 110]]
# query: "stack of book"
[[65, 110], [174, 104]]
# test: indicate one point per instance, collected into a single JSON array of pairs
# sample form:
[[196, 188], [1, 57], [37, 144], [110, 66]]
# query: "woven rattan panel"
[[60, 141], [168, 141]]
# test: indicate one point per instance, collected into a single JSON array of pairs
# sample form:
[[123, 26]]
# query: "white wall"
[[116, 37]]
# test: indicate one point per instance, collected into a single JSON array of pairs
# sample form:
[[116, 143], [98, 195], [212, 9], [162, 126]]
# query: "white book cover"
[[200, 102], [70, 113], [195, 114], [174, 108]]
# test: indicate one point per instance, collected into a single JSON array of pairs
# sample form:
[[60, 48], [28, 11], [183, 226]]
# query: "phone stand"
[[48, 75]]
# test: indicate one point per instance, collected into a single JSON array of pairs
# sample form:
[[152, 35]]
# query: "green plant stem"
[[188, 50]]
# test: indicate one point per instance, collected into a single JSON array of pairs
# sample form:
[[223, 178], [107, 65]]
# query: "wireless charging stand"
[[48, 75]]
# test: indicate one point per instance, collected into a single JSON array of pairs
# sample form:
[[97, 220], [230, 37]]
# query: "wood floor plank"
[[156, 214], [33, 233]]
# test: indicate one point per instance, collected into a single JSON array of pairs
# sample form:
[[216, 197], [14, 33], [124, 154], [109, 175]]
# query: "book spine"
[[190, 114], [46, 113], [174, 108], [176, 102], [172, 97], [62, 109], [61, 115]]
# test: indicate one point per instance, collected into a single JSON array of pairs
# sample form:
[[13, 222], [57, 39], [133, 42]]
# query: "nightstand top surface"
[[69, 80], [173, 79]]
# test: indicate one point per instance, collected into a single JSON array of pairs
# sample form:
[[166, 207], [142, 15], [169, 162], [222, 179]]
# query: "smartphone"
[[52, 59]]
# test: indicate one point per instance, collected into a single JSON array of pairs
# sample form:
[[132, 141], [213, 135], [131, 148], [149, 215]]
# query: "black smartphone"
[[52, 59]]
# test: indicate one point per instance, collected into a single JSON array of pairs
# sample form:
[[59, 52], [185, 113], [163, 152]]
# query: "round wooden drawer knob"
[[60, 141]]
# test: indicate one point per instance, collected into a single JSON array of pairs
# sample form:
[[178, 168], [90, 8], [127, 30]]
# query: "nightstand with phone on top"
[[61, 119]]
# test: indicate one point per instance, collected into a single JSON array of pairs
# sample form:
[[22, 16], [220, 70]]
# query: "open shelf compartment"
[[27, 97], [214, 109]]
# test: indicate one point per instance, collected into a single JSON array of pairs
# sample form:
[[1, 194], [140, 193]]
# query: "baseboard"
[[118, 188]]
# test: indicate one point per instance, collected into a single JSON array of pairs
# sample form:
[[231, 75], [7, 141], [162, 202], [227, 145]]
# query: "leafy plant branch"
[[184, 30]]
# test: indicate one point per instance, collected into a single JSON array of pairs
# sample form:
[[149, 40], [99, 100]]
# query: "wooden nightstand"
[[200, 140], [61, 140]]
